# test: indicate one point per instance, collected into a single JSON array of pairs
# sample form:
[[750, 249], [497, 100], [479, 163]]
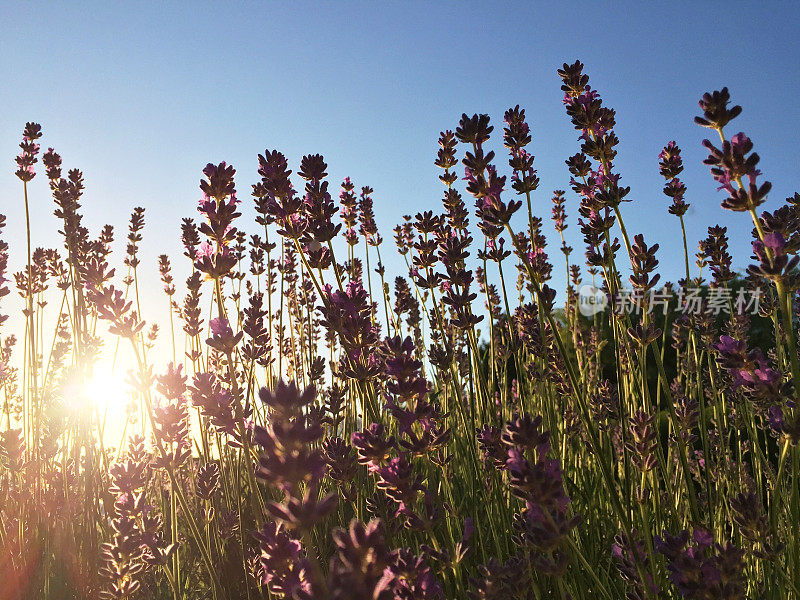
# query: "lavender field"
[[311, 406]]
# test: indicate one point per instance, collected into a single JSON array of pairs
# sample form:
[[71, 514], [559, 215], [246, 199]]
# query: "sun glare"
[[106, 395]]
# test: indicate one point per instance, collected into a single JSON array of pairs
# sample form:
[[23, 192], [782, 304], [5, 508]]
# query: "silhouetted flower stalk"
[[493, 213], [670, 166], [26, 172], [165, 270]]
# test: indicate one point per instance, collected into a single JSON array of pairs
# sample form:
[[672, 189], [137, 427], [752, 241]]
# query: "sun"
[[107, 396]]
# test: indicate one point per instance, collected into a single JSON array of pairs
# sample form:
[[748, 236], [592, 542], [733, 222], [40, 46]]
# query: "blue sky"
[[141, 96]]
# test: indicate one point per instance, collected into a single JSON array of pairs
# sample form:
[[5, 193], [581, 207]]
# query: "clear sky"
[[141, 96]]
